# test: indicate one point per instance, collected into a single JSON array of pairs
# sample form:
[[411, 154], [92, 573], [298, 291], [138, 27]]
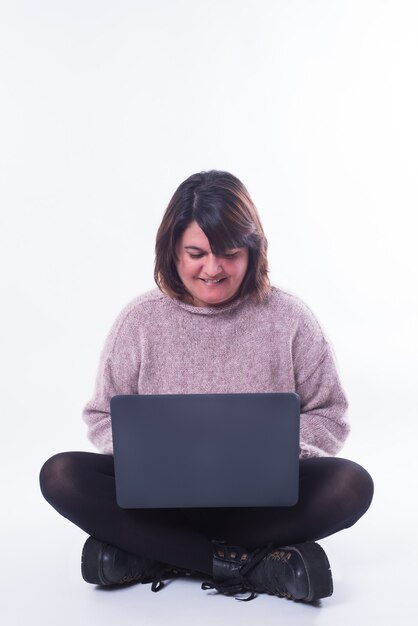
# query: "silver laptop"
[[206, 450]]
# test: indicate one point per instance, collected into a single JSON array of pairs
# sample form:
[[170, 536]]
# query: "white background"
[[105, 108]]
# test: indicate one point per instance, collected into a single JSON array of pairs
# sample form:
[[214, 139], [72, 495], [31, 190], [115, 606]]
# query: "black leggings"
[[333, 494]]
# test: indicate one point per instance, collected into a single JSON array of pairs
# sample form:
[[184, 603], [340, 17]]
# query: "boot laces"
[[239, 585], [164, 571]]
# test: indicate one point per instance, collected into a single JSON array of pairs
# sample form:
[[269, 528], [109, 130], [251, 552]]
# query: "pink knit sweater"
[[160, 345]]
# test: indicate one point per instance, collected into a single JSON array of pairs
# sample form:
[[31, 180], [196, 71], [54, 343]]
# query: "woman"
[[215, 325]]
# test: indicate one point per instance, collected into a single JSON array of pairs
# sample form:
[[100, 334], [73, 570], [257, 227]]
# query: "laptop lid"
[[206, 450]]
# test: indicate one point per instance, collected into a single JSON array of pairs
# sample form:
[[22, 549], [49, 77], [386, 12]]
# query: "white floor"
[[374, 571]]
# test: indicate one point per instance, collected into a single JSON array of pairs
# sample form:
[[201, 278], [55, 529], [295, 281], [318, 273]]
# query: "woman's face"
[[197, 265]]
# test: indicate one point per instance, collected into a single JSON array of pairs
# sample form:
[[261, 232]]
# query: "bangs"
[[223, 224]]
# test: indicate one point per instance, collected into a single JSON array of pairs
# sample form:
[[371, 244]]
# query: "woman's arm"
[[117, 374], [323, 423]]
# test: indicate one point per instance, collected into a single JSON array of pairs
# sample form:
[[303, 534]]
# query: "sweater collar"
[[208, 310]]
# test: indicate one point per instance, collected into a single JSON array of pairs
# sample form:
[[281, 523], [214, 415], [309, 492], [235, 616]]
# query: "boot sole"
[[318, 569]]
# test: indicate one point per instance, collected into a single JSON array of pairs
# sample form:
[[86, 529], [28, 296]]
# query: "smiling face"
[[197, 266]]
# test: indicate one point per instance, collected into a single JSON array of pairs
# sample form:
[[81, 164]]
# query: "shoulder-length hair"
[[222, 207]]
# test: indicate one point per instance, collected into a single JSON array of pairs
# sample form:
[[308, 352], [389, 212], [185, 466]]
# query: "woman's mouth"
[[212, 282]]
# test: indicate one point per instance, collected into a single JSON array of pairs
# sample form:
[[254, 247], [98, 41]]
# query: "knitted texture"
[[160, 345]]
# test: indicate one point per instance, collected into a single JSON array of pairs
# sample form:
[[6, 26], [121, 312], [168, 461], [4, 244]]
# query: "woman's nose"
[[212, 265]]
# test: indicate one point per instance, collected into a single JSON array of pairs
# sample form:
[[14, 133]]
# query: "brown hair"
[[222, 207]]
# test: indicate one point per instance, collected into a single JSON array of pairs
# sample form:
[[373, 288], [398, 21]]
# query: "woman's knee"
[[357, 485], [56, 474], [345, 482]]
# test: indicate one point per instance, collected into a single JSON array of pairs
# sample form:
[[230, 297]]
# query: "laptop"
[[206, 450]]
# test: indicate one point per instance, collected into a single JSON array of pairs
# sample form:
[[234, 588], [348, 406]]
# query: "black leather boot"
[[104, 564], [299, 572]]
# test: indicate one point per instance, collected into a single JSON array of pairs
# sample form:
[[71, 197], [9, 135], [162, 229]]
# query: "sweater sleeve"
[[117, 374], [323, 423]]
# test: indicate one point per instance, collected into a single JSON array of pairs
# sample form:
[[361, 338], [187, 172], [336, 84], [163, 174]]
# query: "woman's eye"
[[226, 256]]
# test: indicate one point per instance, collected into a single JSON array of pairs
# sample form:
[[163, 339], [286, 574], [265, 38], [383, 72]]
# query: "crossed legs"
[[333, 494]]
